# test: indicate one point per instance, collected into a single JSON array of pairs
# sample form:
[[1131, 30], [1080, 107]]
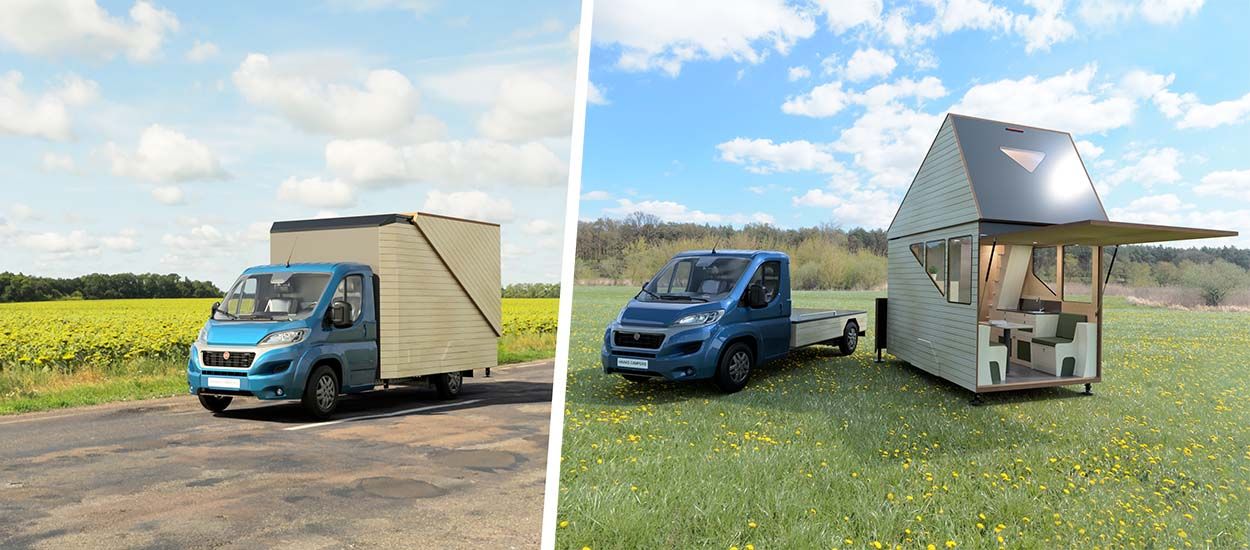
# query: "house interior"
[[1038, 316]]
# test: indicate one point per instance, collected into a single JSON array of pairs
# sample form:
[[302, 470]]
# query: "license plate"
[[629, 363], [231, 383]]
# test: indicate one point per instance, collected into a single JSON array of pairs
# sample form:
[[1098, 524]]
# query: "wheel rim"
[[325, 392], [739, 366], [453, 382], [852, 337]]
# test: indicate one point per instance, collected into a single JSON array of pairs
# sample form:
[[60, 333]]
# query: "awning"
[[1104, 233]]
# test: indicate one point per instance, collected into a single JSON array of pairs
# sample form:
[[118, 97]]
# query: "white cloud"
[[1228, 184], [1044, 28], [595, 95], [201, 238], [1068, 102], [323, 98], [851, 205], [670, 211], [539, 227], [1165, 209], [317, 193], [889, 141], [843, 15], [52, 162], [82, 28], [1148, 168], [474, 205], [869, 63], [596, 196], [798, 73], [1088, 150], [477, 162], [57, 245], [656, 34], [165, 156], [168, 194], [202, 51], [529, 107], [22, 211], [822, 101], [415, 7], [47, 115], [1201, 115], [762, 156], [829, 99], [1169, 12]]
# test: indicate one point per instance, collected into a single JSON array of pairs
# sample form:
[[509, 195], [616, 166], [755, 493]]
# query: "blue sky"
[[166, 136], [795, 114]]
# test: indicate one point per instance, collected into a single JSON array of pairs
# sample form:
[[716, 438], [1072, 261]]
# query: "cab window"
[[352, 290], [768, 275]]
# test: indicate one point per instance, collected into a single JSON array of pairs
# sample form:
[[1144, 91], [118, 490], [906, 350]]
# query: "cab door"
[[357, 344], [772, 320]]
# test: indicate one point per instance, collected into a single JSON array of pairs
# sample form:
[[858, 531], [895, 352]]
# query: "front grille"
[[238, 359], [643, 340], [224, 372]]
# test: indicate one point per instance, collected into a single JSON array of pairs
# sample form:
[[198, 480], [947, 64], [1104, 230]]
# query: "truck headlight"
[[696, 319], [203, 337], [284, 337]]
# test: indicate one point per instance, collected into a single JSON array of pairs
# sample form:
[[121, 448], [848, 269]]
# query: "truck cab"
[[305, 331], [717, 315]]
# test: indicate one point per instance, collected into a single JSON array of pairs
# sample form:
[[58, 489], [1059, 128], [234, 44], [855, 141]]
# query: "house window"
[[917, 250], [935, 263], [1044, 263], [959, 270], [1078, 273]]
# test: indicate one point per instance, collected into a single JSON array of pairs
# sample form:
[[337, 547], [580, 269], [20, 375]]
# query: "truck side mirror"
[[340, 314], [756, 297], [213, 311]]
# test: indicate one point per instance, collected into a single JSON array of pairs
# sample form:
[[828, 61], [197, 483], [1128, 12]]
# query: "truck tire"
[[636, 378], [850, 338], [215, 403], [321, 392], [734, 368], [448, 385]]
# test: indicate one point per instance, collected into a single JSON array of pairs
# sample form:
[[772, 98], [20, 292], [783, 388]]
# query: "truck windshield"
[[695, 279], [273, 297]]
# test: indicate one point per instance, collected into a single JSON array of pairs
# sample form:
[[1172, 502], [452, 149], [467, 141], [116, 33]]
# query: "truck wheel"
[[448, 385], [215, 403], [636, 378], [321, 392], [850, 338], [735, 368]]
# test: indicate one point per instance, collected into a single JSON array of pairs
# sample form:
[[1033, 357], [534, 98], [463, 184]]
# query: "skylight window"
[[1025, 158]]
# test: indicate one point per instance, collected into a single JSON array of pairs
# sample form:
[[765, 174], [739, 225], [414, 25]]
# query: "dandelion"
[[564, 524]]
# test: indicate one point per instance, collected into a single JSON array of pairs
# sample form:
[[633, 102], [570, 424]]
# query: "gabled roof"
[[1025, 174]]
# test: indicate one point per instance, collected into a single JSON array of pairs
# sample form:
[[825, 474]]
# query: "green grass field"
[[840, 452]]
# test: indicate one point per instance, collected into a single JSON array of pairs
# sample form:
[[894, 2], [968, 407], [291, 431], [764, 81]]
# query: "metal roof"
[[339, 223], [1025, 174]]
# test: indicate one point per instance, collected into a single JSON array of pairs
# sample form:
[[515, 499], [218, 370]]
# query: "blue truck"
[[380, 300], [299, 331], [710, 314]]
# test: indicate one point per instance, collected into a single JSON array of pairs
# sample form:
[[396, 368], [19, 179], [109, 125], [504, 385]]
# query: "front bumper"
[[685, 354], [272, 375]]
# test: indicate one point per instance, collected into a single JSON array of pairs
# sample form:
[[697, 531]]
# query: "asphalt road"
[[395, 468]]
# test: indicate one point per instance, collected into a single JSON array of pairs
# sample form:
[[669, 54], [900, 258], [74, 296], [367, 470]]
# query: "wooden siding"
[[940, 195], [471, 250], [357, 244], [429, 323], [924, 329]]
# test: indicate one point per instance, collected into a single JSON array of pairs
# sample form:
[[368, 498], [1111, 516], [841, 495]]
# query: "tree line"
[[17, 287], [531, 290]]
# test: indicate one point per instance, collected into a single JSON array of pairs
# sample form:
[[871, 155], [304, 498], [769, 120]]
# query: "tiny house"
[[439, 308], [998, 256]]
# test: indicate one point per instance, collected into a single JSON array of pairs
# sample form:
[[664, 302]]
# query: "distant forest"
[[827, 257], [16, 287]]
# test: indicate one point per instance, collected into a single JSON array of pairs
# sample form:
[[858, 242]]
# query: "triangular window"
[[1025, 158]]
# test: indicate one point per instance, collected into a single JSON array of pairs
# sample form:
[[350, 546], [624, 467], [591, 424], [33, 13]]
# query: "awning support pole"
[[1103, 290], [990, 265]]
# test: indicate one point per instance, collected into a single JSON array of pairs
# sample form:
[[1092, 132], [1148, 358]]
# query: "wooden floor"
[[1020, 377]]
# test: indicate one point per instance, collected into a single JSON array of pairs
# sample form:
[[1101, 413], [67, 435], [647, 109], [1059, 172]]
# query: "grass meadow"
[[822, 451], [76, 352]]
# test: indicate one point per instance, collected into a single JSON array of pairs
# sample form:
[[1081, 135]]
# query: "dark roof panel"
[[1024, 174], [339, 223]]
